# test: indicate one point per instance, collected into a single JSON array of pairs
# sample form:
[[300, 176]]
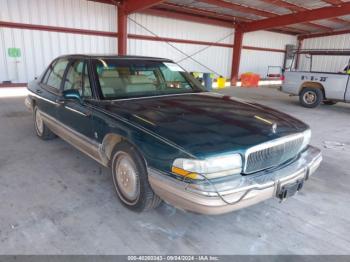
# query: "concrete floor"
[[55, 200]]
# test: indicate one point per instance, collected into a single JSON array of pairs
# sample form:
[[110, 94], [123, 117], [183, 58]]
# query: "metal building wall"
[[65, 13], [258, 61], [217, 59], [326, 63], [38, 48]]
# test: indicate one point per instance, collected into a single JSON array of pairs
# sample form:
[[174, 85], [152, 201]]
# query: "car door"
[[49, 87], [74, 113]]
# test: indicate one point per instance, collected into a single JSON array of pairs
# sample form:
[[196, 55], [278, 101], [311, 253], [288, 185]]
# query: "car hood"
[[206, 123]]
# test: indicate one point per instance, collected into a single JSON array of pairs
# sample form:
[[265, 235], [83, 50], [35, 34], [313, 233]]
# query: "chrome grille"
[[272, 153]]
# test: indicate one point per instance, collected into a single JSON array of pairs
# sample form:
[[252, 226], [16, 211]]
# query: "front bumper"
[[235, 193]]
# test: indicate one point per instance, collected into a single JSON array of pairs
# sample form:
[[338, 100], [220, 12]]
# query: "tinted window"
[[56, 75], [136, 78], [87, 92], [77, 78], [47, 73]]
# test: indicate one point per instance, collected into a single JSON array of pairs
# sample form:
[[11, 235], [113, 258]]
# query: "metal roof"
[[239, 11]]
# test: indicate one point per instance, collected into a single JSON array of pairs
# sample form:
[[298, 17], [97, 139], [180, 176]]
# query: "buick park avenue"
[[165, 138]]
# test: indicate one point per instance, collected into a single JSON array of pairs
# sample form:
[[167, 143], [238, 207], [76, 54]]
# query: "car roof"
[[126, 57]]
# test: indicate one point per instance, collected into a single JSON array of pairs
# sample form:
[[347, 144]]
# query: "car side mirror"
[[72, 94]]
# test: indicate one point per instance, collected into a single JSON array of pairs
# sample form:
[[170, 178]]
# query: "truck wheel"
[[329, 102], [310, 97], [41, 129], [130, 179]]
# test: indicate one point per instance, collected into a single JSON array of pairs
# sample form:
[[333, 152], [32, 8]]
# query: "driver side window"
[[78, 79]]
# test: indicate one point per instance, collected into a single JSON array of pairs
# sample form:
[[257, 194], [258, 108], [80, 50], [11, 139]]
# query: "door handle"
[[38, 91], [60, 101]]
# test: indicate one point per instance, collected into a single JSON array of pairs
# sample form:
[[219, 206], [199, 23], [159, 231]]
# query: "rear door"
[[73, 113], [49, 87]]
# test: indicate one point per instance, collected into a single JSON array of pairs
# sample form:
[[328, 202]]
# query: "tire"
[[41, 130], [329, 102], [130, 179], [310, 97]]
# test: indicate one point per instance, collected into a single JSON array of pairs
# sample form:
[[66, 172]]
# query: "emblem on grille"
[[274, 128]]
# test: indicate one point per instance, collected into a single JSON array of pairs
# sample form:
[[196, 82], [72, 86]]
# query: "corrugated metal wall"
[[217, 59], [326, 63], [40, 47], [65, 13], [258, 61]]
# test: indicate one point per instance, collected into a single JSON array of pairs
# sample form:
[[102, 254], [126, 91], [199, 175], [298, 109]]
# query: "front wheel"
[[310, 97], [130, 179]]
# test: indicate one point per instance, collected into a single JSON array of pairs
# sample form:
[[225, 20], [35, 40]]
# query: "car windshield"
[[130, 78]]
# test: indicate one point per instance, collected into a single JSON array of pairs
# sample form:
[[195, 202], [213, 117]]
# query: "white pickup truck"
[[315, 87]]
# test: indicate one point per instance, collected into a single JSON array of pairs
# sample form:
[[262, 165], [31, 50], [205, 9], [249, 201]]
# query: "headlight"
[[307, 138], [210, 168]]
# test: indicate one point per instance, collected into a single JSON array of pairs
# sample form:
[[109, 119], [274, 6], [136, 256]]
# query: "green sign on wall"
[[14, 52]]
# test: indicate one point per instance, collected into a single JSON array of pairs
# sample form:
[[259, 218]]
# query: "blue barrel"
[[208, 81]]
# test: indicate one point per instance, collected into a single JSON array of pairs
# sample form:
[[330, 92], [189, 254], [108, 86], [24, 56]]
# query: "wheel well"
[[312, 85], [108, 144], [110, 141]]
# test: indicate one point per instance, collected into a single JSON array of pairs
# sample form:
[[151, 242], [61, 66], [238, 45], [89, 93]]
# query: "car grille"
[[272, 153]]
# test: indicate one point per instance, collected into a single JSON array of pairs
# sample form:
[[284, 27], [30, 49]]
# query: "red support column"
[[236, 56], [122, 30]]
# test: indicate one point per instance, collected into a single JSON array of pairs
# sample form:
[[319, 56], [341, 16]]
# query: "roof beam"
[[202, 12], [286, 5], [239, 8], [188, 17], [333, 2], [338, 32], [238, 19], [170, 7], [300, 17], [297, 8], [258, 12], [132, 6]]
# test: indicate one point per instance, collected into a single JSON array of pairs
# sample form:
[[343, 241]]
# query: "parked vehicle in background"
[[165, 138], [314, 87]]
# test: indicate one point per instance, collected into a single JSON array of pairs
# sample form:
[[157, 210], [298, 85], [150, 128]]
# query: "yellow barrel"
[[221, 82]]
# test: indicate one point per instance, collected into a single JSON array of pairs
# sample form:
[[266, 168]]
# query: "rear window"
[[137, 78], [55, 76]]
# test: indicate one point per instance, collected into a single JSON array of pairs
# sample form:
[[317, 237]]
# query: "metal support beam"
[[214, 15], [300, 17], [333, 2], [122, 30], [259, 12], [338, 32], [188, 17], [296, 8], [236, 56], [239, 8], [132, 6], [202, 12]]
